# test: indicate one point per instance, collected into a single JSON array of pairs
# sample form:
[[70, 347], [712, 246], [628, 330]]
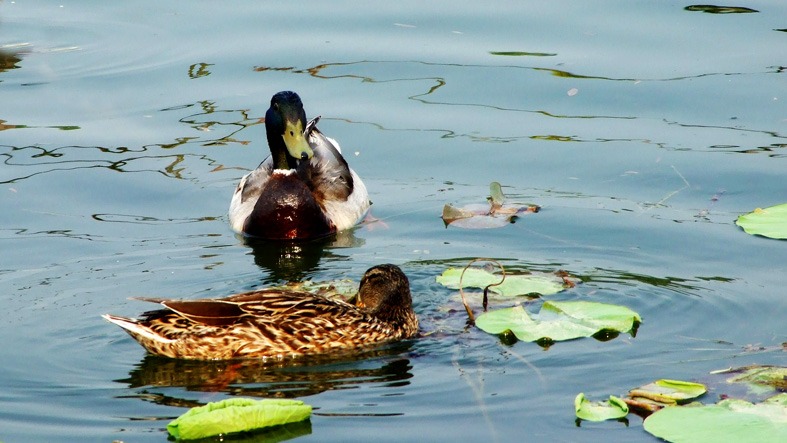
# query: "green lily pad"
[[769, 222], [752, 383], [597, 315], [236, 415], [543, 284], [778, 399], [519, 322], [611, 409], [668, 392], [727, 420], [571, 320]]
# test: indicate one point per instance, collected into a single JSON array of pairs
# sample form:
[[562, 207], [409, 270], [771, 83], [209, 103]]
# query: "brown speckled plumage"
[[273, 323]]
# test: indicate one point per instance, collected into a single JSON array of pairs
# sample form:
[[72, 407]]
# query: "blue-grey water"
[[642, 129]]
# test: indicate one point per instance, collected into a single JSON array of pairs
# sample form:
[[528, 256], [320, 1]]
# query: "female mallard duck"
[[305, 188], [276, 323]]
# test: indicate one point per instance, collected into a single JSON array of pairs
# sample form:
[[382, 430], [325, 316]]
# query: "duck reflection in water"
[[295, 260], [9, 59], [384, 366], [256, 378]]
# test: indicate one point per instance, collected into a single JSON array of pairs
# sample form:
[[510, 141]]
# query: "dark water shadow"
[[273, 434], [295, 260], [300, 377]]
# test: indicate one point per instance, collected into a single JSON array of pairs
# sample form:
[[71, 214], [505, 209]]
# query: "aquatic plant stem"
[[486, 289], [671, 194]]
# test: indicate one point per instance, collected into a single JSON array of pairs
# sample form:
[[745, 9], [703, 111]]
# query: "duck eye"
[[291, 134], [275, 106]]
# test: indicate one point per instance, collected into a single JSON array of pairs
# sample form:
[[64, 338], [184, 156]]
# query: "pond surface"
[[642, 129]]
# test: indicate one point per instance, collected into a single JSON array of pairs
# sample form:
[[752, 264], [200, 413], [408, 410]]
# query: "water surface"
[[642, 130]]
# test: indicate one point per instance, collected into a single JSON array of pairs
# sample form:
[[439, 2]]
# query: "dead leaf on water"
[[496, 213]]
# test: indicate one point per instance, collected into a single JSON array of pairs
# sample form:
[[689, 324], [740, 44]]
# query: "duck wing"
[[208, 312], [327, 173], [252, 184], [267, 304]]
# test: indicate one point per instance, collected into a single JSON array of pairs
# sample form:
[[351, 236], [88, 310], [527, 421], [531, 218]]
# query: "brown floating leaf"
[[713, 9], [494, 215], [661, 393]]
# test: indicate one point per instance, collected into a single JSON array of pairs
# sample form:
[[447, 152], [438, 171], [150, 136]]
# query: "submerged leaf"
[[762, 378], [574, 320], [611, 409], [728, 420], [480, 221], [769, 222], [237, 415], [543, 284], [752, 383]]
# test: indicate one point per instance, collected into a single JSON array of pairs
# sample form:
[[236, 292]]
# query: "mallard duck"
[[305, 188], [277, 323]]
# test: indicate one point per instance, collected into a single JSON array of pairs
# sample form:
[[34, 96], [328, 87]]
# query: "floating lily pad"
[[543, 284], [727, 420], [769, 222], [752, 383], [597, 315], [659, 394], [237, 415], [519, 322], [611, 409], [494, 215], [571, 320]]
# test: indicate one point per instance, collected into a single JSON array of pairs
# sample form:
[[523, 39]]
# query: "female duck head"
[[385, 292], [285, 122]]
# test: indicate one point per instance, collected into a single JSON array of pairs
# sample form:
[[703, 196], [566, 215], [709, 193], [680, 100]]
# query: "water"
[[642, 129]]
